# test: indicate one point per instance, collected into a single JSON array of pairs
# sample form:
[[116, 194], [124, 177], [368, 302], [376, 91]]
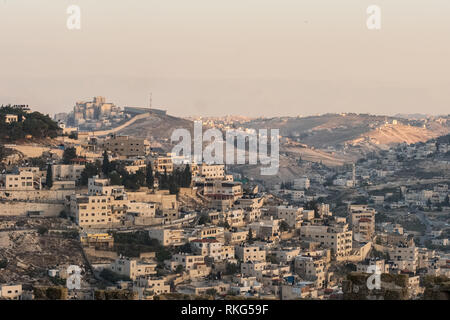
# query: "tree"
[[69, 154], [2, 152], [49, 180], [250, 236], [42, 230], [164, 181], [149, 178], [284, 226], [187, 176], [179, 269], [211, 292], [105, 165], [89, 171], [173, 185], [115, 178]]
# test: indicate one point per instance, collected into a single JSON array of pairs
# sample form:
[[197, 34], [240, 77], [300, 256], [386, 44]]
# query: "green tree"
[[187, 176], [149, 178], [49, 179], [90, 170], [250, 236], [105, 165], [284, 226], [179, 269], [115, 178], [69, 154], [164, 181]]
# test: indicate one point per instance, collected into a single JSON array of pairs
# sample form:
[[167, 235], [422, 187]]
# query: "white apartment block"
[[405, 258], [168, 237], [187, 261], [236, 237], [64, 172], [97, 186], [207, 247], [157, 286], [132, 269], [22, 181], [363, 222], [292, 215], [250, 253], [312, 269], [142, 209], [338, 238], [97, 211]]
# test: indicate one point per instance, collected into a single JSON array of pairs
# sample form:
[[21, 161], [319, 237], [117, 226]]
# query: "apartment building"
[[379, 264], [324, 210], [10, 292], [126, 146], [266, 229], [142, 209], [287, 255], [302, 183], [221, 190], [92, 211], [22, 181], [207, 247], [97, 186], [253, 268], [168, 237], [234, 218], [337, 238], [363, 222], [208, 231], [10, 118], [163, 164], [187, 261], [132, 268], [236, 237], [155, 286], [250, 253], [311, 269], [405, 258], [64, 172], [212, 171], [292, 215]]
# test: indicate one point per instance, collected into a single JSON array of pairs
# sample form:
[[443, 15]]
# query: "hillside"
[[157, 128], [358, 130], [395, 134]]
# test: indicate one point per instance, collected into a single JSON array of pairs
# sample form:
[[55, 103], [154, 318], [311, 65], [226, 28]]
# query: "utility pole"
[[150, 105]]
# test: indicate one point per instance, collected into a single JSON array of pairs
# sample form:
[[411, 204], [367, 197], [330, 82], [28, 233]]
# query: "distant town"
[[94, 206]]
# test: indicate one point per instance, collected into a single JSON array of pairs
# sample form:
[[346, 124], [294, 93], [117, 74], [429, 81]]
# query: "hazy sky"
[[216, 57]]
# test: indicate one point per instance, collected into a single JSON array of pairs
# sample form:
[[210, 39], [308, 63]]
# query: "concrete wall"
[[119, 128], [37, 195], [22, 208]]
